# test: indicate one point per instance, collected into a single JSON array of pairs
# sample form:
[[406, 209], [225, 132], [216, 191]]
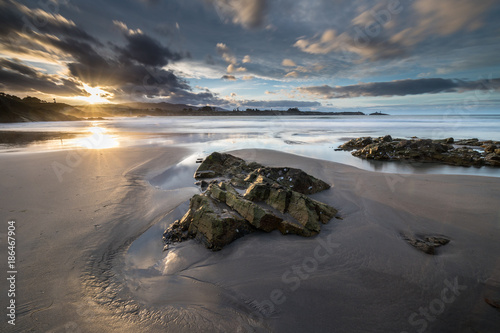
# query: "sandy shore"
[[76, 227]]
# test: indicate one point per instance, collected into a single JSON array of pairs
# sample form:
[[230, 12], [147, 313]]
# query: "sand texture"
[[89, 251]]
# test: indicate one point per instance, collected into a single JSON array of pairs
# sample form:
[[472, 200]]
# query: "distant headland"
[[16, 109]]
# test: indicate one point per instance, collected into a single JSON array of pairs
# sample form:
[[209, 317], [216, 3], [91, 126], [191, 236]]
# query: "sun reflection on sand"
[[98, 140]]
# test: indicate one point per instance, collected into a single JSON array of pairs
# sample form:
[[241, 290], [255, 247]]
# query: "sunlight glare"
[[96, 95], [98, 140]]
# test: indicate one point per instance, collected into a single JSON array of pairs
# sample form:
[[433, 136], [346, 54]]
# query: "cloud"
[[292, 74], [386, 30], [246, 59], [449, 16], [132, 71], [225, 52], [147, 51], [18, 19], [248, 77], [17, 66], [16, 76], [401, 88], [359, 43], [232, 68], [228, 77], [288, 63], [442, 18], [124, 28], [248, 13]]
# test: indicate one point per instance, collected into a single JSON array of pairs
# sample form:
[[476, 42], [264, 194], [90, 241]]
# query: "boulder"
[[357, 143], [295, 179], [209, 223], [221, 165], [255, 198], [469, 142], [492, 159], [490, 149], [386, 138]]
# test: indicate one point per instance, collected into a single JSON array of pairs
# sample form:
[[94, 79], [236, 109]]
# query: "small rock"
[[490, 149], [426, 244]]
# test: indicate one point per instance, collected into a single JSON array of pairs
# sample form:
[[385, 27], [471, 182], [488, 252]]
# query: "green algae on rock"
[[248, 197]]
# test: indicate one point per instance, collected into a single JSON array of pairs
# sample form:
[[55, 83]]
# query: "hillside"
[[13, 110]]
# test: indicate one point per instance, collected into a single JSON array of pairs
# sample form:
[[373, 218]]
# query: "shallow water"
[[315, 137]]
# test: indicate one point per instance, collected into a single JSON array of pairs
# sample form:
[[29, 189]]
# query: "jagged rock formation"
[[250, 197], [426, 150]]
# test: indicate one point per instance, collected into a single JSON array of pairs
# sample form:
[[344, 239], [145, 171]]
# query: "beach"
[[89, 252], [249, 166]]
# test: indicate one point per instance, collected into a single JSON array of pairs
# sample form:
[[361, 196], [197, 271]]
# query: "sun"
[[96, 95]]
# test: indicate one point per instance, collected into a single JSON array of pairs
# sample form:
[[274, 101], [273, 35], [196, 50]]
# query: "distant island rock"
[[242, 198], [378, 113], [447, 151]]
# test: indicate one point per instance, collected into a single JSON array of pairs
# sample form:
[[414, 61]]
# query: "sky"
[[312, 54]]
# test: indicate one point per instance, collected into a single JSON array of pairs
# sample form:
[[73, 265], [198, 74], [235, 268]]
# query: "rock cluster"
[[446, 151], [250, 197], [426, 244]]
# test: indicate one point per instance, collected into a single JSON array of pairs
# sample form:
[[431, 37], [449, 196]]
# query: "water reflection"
[[98, 140], [306, 136]]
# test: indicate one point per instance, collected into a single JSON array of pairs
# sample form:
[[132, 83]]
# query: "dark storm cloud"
[[17, 18], [17, 67], [352, 41], [16, 76], [147, 51], [110, 72], [402, 88], [133, 70]]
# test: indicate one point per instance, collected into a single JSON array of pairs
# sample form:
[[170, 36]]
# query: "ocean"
[[315, 136]]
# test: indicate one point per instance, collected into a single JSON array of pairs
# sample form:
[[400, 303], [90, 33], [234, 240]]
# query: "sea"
[[310, 136]]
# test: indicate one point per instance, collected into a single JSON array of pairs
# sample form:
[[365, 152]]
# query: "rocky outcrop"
[[426, 244], [250, 197], [209, 222], [223, 165], [447, 151], [295, 179], [357, 143]]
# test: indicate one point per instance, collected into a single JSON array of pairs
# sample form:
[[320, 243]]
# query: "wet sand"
[[89, 259]]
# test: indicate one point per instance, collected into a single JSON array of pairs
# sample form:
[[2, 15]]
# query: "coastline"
[[73, 236]]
